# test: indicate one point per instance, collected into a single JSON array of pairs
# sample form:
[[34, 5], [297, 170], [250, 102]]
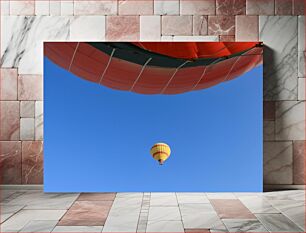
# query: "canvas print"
[[153, 116]]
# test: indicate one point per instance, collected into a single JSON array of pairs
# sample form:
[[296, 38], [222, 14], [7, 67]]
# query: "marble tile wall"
[[25, 24]]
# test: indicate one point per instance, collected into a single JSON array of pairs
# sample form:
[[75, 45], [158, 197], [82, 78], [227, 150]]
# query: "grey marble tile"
[[23, 217], [278, 162], [301, 88], [278, 223], [165, 226], [39, 226], [279, 34], [84, 229], [22, 40], [290, 120], [9, 210], [301, 46], [242, 225]]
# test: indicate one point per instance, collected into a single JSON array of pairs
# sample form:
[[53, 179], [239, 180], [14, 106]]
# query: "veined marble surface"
[[280, 36], [22, 40]]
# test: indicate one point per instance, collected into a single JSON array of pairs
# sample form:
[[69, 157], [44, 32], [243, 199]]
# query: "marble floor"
[[35, 211]]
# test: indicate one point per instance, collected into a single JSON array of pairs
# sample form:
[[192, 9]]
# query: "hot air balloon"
[[160, 152], [156, 67]]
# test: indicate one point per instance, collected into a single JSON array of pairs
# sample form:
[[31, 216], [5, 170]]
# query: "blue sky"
[[97, 139]]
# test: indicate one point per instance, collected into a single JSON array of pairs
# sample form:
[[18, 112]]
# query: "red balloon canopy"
[[156, 67]]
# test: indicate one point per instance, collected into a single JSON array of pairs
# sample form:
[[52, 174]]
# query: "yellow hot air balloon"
[[160, 152]]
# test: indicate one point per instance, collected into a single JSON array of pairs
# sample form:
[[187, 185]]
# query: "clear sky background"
[[98, 140]]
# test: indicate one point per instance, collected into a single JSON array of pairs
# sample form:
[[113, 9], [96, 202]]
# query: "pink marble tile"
[[221, 25], [9, 120], [299, 162], [230, 7], [196, 230], [97, 197], [10, 162], [86, 213], [32, 162], [269, 110], [105, 7], [8, 84], [200, 25], [176, 25], [231, 208], [283, 7], [227, 38], [135, 7], [21, 7], [260, 7], [195, 7], [299, 7], [30, 87], [124, 28], [247, 28]]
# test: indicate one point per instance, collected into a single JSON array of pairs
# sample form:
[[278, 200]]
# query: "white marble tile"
[[221, 196], [290, 120], [39, 120], [164, 213], [8, 210], [150, 28], [129, 195], [55, 8], [84, 229], [192, 198], [20, 219], [39, 226], [42, 7], [258, 205], [277, 223], [301, 89], [269, 130], [165, 226], [295, 195], [27, 108], [301, 46], [87, 28], [122, 219], [196, 38], [163, 200], [27, 129], [5, 7], [166, 7], [167, 38], [294, 210], [106, 7], [66, 7], [199, 216], [40, 200], [22, 40], [278, 163], [279, 34], [242, 225]]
